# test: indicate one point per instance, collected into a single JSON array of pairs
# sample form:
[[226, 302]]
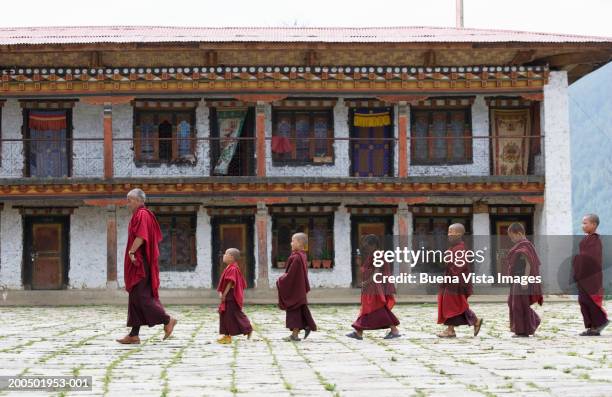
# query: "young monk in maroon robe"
[[453, 307], [232, 321], [523, 260], [377, 299], [141, 271], [292, 289], [588, 273]]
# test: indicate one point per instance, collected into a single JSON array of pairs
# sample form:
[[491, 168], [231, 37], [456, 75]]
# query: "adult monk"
[[453, 307], [588, 273], [377, 299], [232, 320], [292, 289], [141, 271], [523, 261]]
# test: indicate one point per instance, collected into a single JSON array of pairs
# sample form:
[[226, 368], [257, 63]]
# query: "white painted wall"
[[11, 247], [480, 148], [87, 248], [341, 165], [12, 151], [88, 156], [556, 215], [124, 155]]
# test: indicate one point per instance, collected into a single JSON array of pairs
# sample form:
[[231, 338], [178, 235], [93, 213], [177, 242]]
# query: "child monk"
[[523, 261], [232, 321], [453, 307], [292, 289], [587, 271], [377, 299]]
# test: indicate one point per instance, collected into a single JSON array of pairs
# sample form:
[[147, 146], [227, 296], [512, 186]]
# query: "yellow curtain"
[[372, 119]]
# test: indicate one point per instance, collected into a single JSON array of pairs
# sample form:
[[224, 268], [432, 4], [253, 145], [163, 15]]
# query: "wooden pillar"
[[108, 140], [111, 246], [261, 225], [404, 226], [402, 140], [260, 131]]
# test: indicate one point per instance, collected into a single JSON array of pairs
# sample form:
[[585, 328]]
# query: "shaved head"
[[457, 228], [593, 218], [301, 238], [234, 252]]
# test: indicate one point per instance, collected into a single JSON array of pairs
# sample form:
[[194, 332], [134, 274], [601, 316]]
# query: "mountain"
[[590, 106]]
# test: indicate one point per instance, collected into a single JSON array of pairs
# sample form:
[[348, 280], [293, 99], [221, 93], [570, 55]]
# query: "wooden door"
[[380, 226], [45, 252], [233, 232]]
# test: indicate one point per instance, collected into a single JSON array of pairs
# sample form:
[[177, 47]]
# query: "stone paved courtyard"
[[80, 340]]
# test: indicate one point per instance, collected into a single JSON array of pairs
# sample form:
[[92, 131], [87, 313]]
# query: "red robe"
[[144, 225], [526, 248], [232, 321], [233, 274], [523, 319], [453, 297], [377, 299], [588, 273], [375, 295], [293, 285]]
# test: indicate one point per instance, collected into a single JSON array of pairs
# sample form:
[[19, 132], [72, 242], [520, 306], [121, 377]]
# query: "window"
[[302, 137], [319, 229], [166, 136], [177, 251], [441, 136]]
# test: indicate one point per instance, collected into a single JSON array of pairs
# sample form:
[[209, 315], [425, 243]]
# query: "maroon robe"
[[453, 307], [232, 320], [588, 273], [142, 277], [523, 319], [377, 299], [292, 289]]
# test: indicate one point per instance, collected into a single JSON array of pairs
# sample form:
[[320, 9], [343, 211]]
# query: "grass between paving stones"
[[431, 367], [327, 385], [275, 363], [399, 379], [108, 372], [178, 356], [233, 387]]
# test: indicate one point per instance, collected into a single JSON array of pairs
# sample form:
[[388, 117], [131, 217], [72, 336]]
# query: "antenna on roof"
[[459, 14]]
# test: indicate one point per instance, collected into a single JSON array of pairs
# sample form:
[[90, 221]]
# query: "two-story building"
[[243, 136]]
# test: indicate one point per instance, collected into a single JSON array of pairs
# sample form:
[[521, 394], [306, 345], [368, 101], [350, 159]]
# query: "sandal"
[[446, 334], [391, 335], [477, 326], [354, 335]]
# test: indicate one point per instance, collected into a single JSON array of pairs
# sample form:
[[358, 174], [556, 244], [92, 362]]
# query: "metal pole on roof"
[[459, 14]]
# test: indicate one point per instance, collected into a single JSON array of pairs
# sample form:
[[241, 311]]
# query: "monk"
[[293, 287], [588, 274], [141, 271], [377, 299], [523, 260], [453, 307], [232, 321]]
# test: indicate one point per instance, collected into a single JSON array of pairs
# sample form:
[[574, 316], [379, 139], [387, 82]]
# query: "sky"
[[587, 17]]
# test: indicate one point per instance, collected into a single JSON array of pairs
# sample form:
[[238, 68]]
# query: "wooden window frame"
[[277, 160], [173, 266], [467, 136], [330, 229], [25, 132], [177, 116]]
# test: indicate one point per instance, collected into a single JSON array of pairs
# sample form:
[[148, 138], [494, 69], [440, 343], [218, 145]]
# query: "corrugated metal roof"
[[161, 34]]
